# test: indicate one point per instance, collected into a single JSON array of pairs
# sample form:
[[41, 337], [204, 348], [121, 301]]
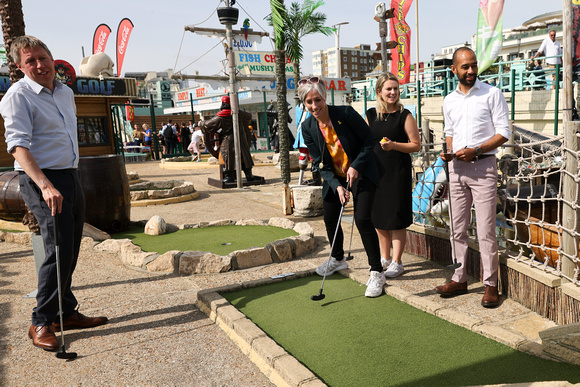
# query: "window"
[[344, 58], [355, 59], [345, 67], [92, 131]]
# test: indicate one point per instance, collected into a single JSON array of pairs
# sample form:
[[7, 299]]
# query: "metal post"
[[418, 100], [332, 97], [192, 111], [266, 120], [365, 99], [557, 99], [234, 100], [513, 94], [154, 128]]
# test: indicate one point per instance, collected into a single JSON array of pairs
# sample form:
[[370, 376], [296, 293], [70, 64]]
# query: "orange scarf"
[[340, 162]]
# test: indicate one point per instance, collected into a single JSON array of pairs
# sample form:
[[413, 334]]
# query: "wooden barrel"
[[106, 187], [12, 205]]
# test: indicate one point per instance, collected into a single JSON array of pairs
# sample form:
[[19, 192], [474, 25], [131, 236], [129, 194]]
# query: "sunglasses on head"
[[313, 80]]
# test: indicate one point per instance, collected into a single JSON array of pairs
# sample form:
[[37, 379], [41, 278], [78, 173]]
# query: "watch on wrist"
[[478, 151]]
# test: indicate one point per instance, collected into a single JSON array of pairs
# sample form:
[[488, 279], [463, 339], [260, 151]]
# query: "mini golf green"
[[350, 340], [220, 240]]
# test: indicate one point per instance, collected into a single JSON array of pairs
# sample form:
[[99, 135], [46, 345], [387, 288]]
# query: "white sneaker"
[[333, 265], [385, 263], [394, 270], [193, 157], [375, 284]]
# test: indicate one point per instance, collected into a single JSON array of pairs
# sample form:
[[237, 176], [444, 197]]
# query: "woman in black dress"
[[397, 136]]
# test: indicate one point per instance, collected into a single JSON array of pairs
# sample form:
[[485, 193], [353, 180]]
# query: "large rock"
[[165, 263], [281, 222], [307, 200], [281, 248], [304, 228], [132, 255], [251, 222], [156, 226], [304, 244], [294, 157], [199, 262], [18, 237], [112, 245], [257, 256], [93, 232]]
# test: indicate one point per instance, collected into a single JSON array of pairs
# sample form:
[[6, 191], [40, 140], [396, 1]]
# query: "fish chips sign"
[[259, 62], [401, 32]]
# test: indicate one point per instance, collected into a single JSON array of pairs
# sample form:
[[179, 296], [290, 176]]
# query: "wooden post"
[[567, 44], [570, 213]]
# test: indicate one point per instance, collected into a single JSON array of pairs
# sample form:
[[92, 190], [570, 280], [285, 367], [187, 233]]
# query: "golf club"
[[349, 256], [455, 264], [320, 295], [62, 354]]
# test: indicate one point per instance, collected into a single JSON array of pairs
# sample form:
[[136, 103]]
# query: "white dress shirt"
[[42, 121], [473, 118], [550, 48]]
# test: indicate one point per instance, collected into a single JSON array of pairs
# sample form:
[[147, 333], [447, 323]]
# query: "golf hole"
[[226, 244]]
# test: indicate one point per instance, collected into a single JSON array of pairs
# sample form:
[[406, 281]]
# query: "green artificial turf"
[[220, 240], [350, 340]]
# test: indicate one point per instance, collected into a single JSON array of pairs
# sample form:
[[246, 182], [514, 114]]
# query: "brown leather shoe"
[[79, 321], [491, 297], [452, 289], [43, 337]]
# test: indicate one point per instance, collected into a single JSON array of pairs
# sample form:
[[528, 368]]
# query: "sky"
[[158, 41]]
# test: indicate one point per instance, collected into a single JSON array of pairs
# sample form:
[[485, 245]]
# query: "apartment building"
[[353, 62]]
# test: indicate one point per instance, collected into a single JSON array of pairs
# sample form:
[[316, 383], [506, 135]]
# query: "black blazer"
[[357, 140]]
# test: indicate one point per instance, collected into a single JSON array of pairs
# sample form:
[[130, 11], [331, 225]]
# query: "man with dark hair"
[[41, 133], [476, 124], [169, 137]]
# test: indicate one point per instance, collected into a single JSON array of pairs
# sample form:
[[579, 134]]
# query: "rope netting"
[[530, 224]]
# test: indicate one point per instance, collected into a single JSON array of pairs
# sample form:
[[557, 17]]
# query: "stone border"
[[273, 361], [284, 370], [200, 262], [155, 202], [203, 262]]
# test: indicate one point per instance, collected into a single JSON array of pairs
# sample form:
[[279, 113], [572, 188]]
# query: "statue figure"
[[222, 123]]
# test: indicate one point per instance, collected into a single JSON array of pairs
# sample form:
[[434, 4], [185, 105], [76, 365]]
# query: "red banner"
[[400, 31], [100, 38], [123, 33]]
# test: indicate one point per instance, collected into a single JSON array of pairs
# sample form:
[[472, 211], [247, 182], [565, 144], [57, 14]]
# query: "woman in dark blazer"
[[341, 145]]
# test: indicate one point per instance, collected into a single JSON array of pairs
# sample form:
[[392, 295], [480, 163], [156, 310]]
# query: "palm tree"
[[278, 20], [301, 21], [12, 27]]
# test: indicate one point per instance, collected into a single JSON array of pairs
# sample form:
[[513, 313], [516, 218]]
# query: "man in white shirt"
[[41, 134], [476, 124], [551, 48]]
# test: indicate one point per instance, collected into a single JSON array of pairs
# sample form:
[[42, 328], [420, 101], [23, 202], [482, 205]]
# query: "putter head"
[[349, 257], [455, 265], [62, 354], [318, 297]]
